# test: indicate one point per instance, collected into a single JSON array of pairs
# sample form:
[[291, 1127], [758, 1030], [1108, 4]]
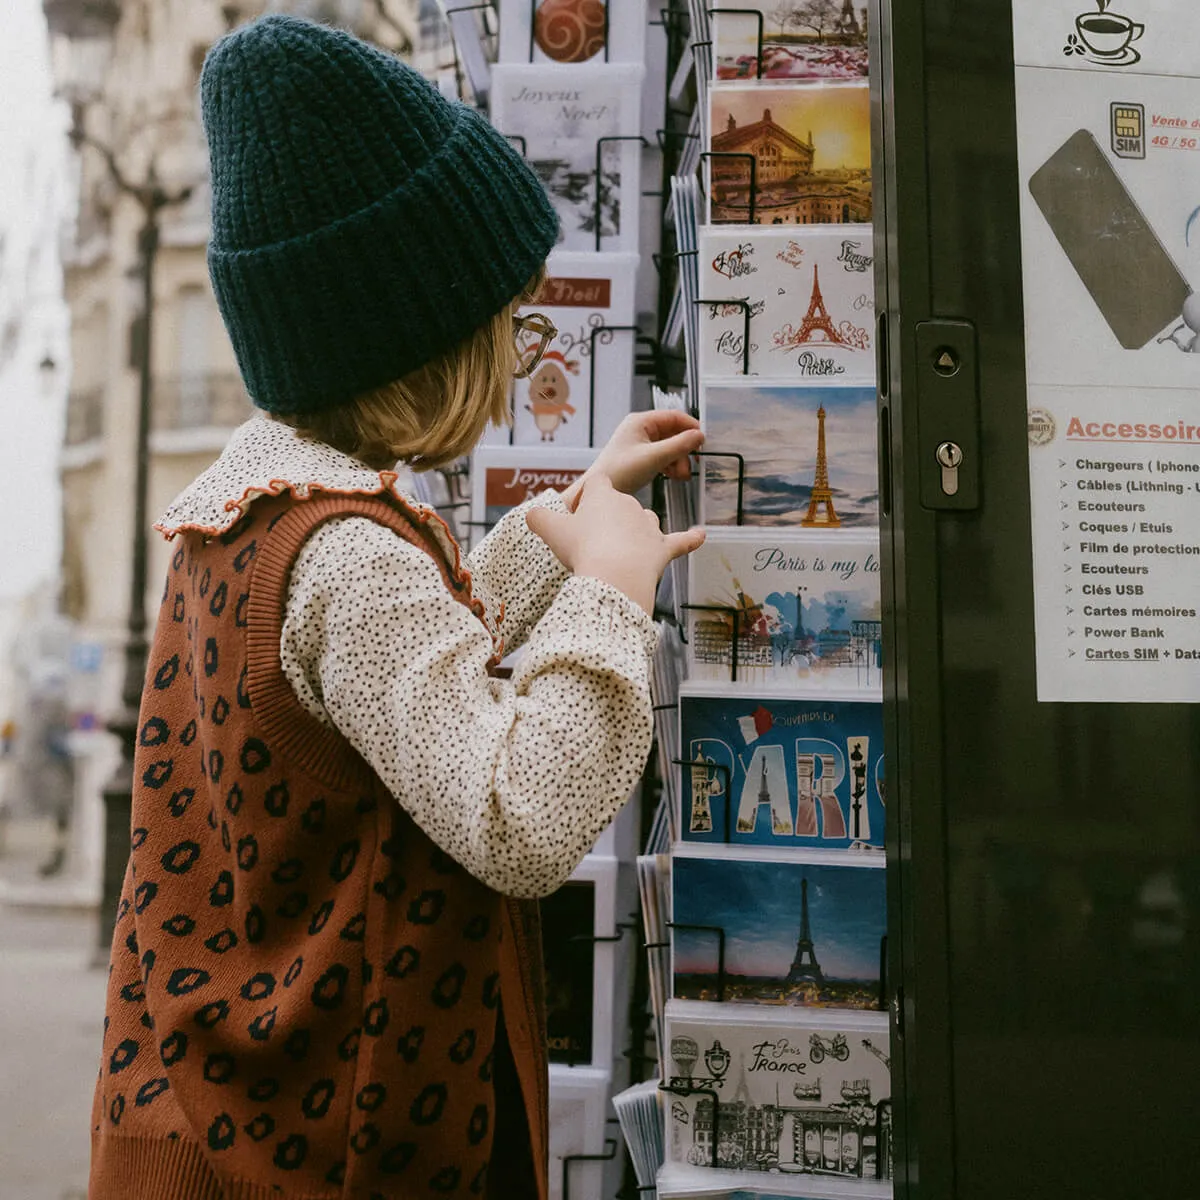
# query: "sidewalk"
[[51, 1013]]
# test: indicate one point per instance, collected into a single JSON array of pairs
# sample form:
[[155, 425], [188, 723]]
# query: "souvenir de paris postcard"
[[787, 609], [677, 1181], [800, 927], [768, 771], [806, 456], [795, 1092], [806, 295]]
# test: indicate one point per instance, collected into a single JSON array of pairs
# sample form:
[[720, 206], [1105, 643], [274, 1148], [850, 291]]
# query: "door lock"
[[949, 456]]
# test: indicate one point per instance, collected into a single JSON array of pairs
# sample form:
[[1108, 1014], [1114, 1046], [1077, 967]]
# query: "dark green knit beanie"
[[361, 223]]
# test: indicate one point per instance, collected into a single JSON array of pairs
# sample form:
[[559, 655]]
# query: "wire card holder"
[[610, 1152], [743, 306], [597, 199], [719, 931], [711, 190], [757, 15]]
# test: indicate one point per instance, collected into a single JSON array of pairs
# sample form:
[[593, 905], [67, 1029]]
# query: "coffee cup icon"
[[1107, 34]]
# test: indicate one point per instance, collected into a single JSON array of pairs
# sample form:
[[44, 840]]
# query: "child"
[[325, 974]]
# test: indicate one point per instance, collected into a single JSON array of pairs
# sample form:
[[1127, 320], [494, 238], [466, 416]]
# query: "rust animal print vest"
[[305, 993]]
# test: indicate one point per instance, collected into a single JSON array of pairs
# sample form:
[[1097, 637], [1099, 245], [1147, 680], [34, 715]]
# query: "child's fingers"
[[552, 527], [679, 544]]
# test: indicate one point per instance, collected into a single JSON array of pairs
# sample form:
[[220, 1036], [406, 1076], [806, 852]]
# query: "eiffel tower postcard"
[[808, 456], [811, 298], [801, 40], [801, 927], [805, 607]]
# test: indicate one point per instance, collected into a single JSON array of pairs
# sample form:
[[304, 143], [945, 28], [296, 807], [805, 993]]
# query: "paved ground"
[[51, 1011]]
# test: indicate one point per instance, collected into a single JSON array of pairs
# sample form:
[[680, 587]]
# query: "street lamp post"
[[88, 27], [118, 793]]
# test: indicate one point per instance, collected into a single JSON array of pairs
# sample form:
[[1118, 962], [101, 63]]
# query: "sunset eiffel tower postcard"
[[789, 455], [796, 927]]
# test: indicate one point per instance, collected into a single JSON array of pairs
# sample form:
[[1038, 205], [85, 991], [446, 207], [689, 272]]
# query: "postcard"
[[805, 297], [578, 1109], [811, 152], [505, 477], [768, 771], [785, 609], [589, 298], [794, 1092], [801, 40], [570, 32], [557, 122], [677, 1181], [801, 456], [800, 927]]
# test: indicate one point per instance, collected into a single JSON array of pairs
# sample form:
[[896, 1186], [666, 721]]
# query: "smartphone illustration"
[[1119, 258]]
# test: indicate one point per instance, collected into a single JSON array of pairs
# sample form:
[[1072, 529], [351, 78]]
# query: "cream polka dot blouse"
[[515, 778]]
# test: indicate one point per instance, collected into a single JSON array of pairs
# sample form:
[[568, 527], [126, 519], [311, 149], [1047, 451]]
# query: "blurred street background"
[[117, 387]]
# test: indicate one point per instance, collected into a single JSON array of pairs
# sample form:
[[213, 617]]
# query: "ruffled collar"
[[266, 458]]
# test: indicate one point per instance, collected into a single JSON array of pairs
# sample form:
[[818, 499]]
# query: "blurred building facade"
[[146, 109]]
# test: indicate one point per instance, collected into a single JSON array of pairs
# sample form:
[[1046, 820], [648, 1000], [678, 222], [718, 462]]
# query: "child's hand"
[[611, 537], [644, 445]]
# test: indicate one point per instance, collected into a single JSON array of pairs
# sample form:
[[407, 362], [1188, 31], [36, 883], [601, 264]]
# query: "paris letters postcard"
[[807, 297], [789, 455], [784, 1091], [797, 927], [768, 771]]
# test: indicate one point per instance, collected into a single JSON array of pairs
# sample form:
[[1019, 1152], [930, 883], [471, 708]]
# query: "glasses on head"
[[533, 335]]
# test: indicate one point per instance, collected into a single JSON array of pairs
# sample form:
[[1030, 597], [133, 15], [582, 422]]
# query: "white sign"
[[1115, 475], [1108, 130]]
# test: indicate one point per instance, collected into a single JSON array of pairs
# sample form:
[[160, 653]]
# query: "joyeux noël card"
[[806, 296], [505, 477], [557, 119], [800, 927], [769, 771], [790, 1092], [797, 610], [589, 298]]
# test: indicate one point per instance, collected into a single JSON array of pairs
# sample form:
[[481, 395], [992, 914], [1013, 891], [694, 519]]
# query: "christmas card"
[[557, 119], [504, 477], [767, 771], [800, 40], [796, 455], [782, 1091], [568, 921], [570, 32], [807, 297], [811, 152], [799, 928], [589, 300], [786, 609]]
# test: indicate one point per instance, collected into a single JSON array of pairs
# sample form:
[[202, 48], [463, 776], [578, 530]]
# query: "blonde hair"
[[434, 414]]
